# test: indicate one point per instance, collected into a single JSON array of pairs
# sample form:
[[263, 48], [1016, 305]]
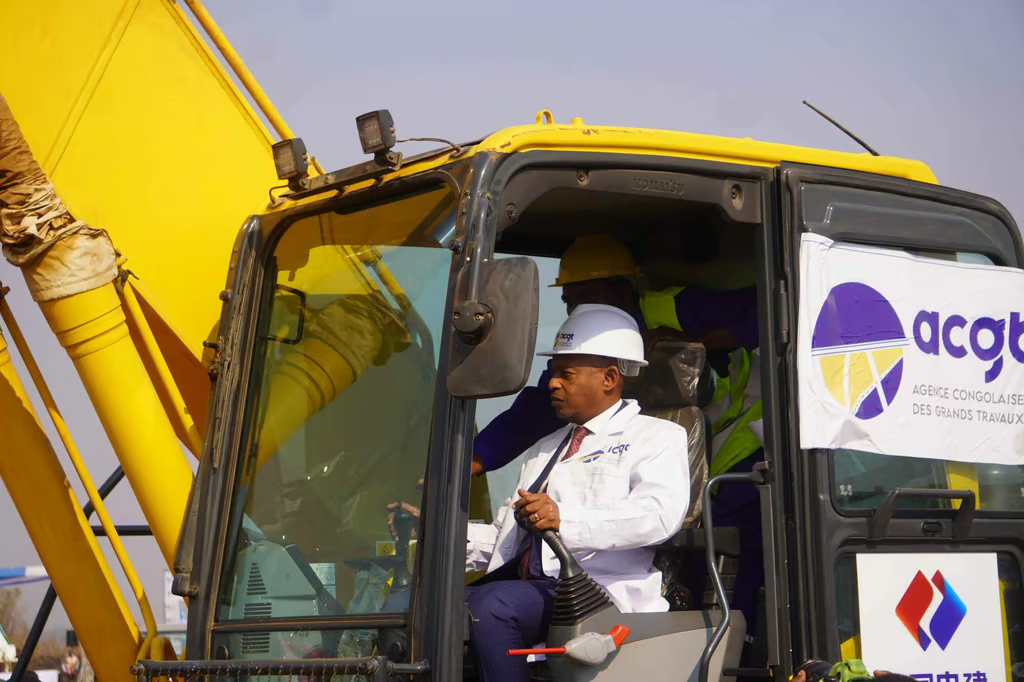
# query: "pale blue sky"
[[933, 80]]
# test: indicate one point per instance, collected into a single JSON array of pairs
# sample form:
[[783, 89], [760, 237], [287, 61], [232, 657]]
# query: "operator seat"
[[673, 386], [676, 383]]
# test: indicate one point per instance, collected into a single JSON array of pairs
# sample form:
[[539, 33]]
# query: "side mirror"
[[287, 315], [495, 332]]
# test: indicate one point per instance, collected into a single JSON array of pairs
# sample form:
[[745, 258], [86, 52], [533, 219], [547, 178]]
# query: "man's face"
[[582, 385], [603, 291]]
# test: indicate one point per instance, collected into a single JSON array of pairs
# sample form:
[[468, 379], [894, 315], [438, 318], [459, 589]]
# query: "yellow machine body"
[[144, 133]]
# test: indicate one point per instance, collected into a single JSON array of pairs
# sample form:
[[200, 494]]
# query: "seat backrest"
[[697, 430], [675, 383]]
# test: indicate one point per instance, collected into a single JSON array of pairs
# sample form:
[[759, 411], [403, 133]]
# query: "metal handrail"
[[962, 519], [377, 668], [756, 476]]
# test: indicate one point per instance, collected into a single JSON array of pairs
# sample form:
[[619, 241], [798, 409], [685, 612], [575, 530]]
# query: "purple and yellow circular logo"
[[858, 343]]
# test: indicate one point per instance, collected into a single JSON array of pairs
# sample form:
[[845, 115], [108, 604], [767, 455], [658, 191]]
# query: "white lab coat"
[[623, 493]]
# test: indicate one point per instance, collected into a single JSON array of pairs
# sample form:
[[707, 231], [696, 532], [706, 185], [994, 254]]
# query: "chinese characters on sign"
[[948, 676]]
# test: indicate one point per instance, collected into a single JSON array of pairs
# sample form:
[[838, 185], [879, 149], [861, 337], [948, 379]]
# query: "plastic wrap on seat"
[[677, 375], [693, 420]]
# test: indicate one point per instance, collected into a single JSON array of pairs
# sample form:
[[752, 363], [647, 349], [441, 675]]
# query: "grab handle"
[[961, 521]]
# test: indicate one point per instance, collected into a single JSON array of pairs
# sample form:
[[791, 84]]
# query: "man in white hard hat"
[[611, 482]]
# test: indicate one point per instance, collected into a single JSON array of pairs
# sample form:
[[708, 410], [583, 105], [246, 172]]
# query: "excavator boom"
[[122, 133]]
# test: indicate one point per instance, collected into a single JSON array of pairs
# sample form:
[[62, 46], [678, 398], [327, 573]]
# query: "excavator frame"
[[483, 176], [182, 356]]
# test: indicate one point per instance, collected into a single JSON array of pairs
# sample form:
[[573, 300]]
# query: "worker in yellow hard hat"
[[600, 269]]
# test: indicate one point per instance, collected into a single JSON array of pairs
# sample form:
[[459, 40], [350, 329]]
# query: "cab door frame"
[[818, 532], [208, 537], [772, 309]]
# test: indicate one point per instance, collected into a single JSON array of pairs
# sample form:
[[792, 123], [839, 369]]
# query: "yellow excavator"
[[327, 359]]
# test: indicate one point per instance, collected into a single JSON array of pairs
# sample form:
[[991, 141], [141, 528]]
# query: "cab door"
[[853, 515]]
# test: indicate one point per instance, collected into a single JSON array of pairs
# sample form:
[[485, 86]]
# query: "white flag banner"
[[904, 355]]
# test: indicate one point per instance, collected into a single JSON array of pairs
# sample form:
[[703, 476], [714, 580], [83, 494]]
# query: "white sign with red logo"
[[903, 355], [934, 617]]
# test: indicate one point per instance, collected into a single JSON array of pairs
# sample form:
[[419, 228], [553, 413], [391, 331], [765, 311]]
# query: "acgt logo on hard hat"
[[563, 340], [860, 345], [597, 329]]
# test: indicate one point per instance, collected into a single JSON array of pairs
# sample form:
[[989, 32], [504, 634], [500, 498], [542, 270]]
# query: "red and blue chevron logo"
[[915, 604]]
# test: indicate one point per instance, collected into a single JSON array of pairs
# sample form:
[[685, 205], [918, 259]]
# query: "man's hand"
[[537, 510], [478, 466], [415, 511], [391, 516]]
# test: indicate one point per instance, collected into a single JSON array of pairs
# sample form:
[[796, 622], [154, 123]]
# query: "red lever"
[[619, 634], [527, 652]]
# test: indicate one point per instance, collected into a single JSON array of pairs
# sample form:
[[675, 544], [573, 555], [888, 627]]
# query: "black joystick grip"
[[404, 523], [568, 567], [577, 596]]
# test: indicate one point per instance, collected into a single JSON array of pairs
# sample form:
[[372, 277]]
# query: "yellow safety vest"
[[659, 310], [730, 398]]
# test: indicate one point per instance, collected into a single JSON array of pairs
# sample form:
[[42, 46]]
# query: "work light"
[[290, 159], [376, 132]]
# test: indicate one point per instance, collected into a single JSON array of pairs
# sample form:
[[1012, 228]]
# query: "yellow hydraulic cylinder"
[[60, 532], [91, 327], [170, 396], [306, 380]]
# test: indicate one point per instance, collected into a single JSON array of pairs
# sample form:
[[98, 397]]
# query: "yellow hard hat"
[[595, 256]]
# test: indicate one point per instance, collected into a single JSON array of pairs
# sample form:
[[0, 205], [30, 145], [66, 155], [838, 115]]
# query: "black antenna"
[[831, 120]]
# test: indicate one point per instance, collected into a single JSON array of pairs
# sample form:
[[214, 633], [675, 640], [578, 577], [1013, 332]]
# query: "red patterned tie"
[[578, 435]]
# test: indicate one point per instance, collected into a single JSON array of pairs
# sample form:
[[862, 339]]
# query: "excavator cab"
[[379, 316]]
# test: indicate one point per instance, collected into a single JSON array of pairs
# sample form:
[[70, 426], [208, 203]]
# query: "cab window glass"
[[501, 483], [344, 379]]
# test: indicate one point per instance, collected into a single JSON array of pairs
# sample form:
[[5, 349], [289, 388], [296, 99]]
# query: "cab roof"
[[577, 136]]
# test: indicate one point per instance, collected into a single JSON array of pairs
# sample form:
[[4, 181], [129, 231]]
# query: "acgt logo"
[[915, 604], [985, 338]]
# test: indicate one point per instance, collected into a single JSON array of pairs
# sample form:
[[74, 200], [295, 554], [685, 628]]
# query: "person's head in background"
[[597, 268], [851, 670]]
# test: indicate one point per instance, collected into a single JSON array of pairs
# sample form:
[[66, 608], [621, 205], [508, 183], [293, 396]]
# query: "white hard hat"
[[595, 329]]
